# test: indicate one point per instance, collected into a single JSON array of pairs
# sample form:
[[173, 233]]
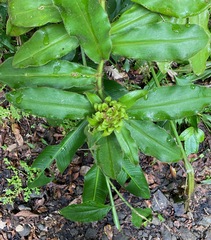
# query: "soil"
[[39, 218]]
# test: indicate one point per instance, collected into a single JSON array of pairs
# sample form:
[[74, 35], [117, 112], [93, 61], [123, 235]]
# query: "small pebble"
[[84, 170], [23, 231], [91, 233], [41, 227], [2, 224], [23, 207]]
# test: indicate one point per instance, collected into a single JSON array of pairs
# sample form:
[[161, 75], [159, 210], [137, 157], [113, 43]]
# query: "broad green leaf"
[[114, 89], [5, 41], [128, 145], [108, 156], [51, 103], [48, 43], [30, 13], [40, 181], [87, 20], [192, 137], [63, 152], [160, 42], [134, 17], [154, 141], [137, 220], [187, 133], [85, 212], [13, 30], [95, 188], [132, 178], [56, 74], [198, 61], [130, 98], [46, 157], [69, 145], [191, 145], [172, 102], [180, 8]]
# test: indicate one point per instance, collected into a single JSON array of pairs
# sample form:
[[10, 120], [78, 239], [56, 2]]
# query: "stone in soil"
[[24, 230], [185, 234], [179, 209], [91, 233], [159, 201]]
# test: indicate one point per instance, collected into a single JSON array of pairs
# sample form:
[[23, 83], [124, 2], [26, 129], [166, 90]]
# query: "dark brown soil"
[[40, 219]]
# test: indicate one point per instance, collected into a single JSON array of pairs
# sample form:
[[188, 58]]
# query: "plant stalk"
[[83, 57], [188, 167], [155, 77], [190, 183], [100, 80], [115, 216], [127, 203], [103, 3]]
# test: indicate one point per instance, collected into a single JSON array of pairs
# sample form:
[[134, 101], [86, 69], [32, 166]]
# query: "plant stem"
[[103, 3], [115, 216], [190, 183], [188, 167], [127, 203], [155, 77], [99, 80], [83, 57]]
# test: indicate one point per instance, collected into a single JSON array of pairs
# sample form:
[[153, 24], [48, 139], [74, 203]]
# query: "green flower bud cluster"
[[108, 117]]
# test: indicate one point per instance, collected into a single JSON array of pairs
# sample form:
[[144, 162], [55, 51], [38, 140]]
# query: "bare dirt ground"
[[40, 219]]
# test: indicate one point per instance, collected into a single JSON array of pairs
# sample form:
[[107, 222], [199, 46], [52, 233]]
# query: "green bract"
[[48, 78], [108, 117]]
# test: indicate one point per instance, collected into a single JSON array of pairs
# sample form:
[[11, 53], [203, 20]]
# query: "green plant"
[[11, 113], [115, 123], [17, 184]]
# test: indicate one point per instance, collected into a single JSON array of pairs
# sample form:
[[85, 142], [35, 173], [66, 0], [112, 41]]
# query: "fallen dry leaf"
[[11, 147], [26, 213], [16, 131], [108, 231], [2, 224], [173, 172]]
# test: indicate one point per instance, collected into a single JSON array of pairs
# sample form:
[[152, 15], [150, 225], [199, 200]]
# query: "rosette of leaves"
[[115, 123]]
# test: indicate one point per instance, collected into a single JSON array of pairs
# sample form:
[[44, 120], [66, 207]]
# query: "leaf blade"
[[69, 145], [85, 212], [160, 42], [154, 141], [95, 188], [137, 220], [69, 74], [198, 61], [64, 151], [182, 101], [132, 179], [51, 103], [183, 8], [127, 145], [108, 156], [48, 43], [84, 19], [37, 13], [134, 17]]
